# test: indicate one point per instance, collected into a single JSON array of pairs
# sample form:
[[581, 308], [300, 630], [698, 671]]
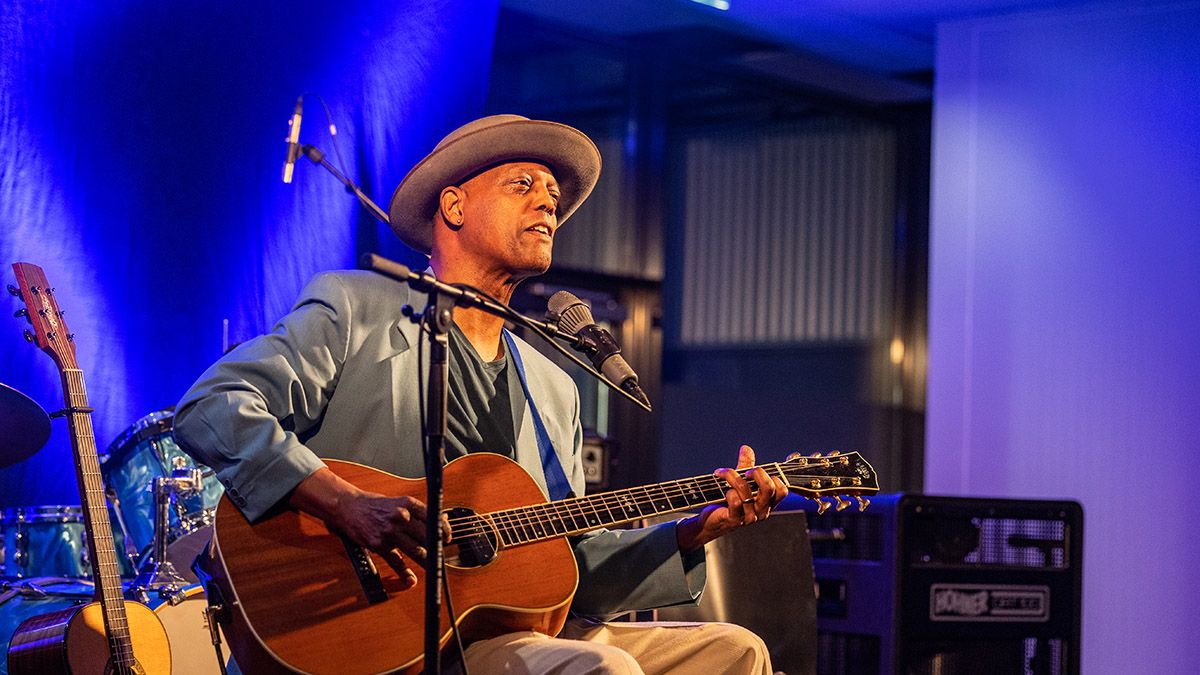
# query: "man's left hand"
[[741, 507]]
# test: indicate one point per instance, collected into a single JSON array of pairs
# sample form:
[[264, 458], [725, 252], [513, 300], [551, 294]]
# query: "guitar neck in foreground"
[[833, 476]]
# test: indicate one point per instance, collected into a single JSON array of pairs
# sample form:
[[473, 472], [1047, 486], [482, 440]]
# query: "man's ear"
[[450, 205]]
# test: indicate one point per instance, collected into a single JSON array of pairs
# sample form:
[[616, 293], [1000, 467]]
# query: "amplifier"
[[921, 584]]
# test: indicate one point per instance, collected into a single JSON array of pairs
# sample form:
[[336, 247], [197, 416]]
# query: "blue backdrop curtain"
[[140, 154]]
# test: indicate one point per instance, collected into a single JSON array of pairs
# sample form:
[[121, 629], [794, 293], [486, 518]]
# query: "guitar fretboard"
[[574, 516], [105, 571]]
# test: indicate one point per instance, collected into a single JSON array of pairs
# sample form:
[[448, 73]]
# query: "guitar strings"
[[96, 519], [533, 520], [624, 499], [537, 522]]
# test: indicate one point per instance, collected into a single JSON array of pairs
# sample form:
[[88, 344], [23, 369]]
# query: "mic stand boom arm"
[[317, 157], [471, 297]]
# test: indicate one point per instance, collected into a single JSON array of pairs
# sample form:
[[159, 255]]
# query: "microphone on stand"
[[293, 141], [575, 318]]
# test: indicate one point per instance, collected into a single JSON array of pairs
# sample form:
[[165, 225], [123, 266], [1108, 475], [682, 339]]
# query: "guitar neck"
[[106, 573], [575, 516]]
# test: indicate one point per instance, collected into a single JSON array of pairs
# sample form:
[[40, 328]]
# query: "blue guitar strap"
[[556, 480]]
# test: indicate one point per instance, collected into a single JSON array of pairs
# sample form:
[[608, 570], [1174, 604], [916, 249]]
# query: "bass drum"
[[25, 598], [192, 651]]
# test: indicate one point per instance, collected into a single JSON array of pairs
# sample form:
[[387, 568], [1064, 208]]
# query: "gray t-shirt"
[[484, 399]]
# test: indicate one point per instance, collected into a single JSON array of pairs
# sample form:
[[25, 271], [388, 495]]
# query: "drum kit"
[[162, 506]]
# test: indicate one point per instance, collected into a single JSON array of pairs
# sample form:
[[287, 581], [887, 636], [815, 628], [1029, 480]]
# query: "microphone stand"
[[317, 157], [438, 315]]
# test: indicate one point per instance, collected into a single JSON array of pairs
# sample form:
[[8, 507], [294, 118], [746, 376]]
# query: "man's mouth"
[[541, 229]]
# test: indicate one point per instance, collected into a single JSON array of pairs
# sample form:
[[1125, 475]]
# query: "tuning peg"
[[14, 291], [863, 502], [794, 455], [835, 453], [815, 454], [822, 507], [28, 335], [21, 312], [841, 503]]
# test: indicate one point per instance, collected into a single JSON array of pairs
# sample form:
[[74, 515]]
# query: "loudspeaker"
[[941, 585]]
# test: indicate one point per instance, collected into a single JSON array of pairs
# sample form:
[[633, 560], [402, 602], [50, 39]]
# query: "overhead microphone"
[[575, 318], [293, 141]]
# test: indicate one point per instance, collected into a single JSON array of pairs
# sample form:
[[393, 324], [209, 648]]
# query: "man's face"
[[509, 218]]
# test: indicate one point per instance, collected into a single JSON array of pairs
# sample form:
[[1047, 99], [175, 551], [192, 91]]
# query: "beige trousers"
[[587, 647]]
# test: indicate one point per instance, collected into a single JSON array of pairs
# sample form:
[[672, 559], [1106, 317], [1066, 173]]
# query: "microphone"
[[293, 141], [575, 318]]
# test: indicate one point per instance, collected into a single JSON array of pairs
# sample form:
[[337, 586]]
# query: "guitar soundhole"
[[473, 540]]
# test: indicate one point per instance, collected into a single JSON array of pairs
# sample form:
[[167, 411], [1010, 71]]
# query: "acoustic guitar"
[[304, 599], [109, 634]]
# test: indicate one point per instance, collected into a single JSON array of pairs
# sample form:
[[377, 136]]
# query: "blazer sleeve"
[[628, 570], [246, 415]]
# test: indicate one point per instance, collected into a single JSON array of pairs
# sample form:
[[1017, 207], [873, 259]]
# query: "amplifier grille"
[[945, 539], [1029, 656]]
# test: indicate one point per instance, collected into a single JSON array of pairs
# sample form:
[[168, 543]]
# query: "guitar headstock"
[[49, 330], [832, 477]]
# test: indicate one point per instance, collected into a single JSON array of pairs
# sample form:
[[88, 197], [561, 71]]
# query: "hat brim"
[[569, 153]]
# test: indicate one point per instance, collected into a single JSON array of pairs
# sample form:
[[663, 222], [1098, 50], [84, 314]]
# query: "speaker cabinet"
[[940, 585]]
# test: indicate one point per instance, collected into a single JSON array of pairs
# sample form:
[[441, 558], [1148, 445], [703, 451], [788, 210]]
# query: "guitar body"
[[298, 605], [73, 640]]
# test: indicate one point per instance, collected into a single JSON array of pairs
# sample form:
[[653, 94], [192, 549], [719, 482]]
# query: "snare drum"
[[48, 541], [20, 600], [145, 451]]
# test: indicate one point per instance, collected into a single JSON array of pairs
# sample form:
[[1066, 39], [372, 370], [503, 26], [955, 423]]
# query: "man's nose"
[[542, 199]]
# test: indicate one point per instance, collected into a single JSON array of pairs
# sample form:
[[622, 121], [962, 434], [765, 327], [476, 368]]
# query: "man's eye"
[[524, 182]]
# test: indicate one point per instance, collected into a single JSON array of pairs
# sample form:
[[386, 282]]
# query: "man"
[[338, 378]]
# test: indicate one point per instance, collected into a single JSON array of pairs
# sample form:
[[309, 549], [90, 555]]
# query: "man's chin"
[[532, 267]]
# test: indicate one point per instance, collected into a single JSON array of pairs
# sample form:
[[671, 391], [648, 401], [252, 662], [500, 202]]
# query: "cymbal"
[[24, 426]]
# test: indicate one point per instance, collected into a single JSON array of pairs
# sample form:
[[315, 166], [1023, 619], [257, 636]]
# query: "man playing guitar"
[[338, 379]]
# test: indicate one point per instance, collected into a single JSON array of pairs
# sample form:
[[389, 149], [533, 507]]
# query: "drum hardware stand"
[[160, 575], [32, 587], [131, 553]]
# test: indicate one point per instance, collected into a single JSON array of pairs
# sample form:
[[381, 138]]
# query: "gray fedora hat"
[[482, 144]]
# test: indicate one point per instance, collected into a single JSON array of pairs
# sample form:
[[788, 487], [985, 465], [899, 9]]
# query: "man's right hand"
[[393, 527]]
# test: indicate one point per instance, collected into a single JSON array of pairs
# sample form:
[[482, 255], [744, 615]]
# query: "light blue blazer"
[[338, 378]]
